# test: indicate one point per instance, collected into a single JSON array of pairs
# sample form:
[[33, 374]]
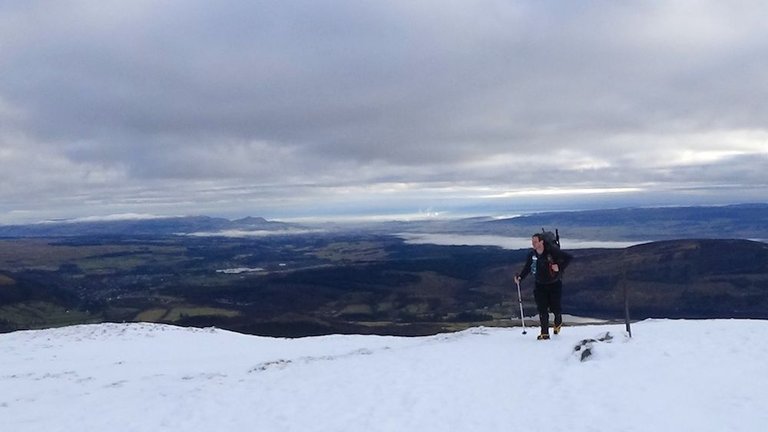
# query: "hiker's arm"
[[526, 269]]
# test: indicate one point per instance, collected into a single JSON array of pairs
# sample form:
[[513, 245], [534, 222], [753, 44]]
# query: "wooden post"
[[626, 294]]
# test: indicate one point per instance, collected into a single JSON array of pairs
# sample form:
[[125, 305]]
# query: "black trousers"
[[548, 298]]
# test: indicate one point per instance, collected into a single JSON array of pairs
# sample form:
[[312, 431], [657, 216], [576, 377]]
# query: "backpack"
[[551, 240]]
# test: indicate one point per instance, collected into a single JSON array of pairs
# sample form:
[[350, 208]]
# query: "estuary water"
[[506, 242]]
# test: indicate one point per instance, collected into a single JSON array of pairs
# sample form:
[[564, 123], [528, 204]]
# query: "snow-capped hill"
[[672, 375]]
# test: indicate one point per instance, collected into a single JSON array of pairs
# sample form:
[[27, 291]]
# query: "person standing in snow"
[[547, 265]]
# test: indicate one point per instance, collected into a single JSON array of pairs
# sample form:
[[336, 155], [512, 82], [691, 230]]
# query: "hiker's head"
[[537, 241]]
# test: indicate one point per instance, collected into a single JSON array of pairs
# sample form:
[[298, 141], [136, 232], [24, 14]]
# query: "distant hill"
[[745, 221], [156, 226]]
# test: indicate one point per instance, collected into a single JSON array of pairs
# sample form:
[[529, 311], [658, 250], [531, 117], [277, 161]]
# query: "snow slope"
[[671, 376]]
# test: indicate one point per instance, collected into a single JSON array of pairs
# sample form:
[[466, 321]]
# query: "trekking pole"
[[520, 301]]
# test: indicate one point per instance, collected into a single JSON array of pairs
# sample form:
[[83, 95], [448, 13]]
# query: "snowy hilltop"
[[670, 376]]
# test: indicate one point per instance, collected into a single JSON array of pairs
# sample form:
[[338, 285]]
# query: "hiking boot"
[[556, 329], [543, 337]]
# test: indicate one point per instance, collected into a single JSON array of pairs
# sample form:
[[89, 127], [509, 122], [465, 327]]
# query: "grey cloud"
[[334, 93]]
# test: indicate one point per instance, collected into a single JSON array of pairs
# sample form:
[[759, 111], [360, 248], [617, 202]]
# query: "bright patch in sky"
[[564, 191]]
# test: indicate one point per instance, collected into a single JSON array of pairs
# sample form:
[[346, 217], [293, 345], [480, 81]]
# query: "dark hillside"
[[681, 278]]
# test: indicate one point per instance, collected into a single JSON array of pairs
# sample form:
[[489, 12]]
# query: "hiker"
[[547, 263]]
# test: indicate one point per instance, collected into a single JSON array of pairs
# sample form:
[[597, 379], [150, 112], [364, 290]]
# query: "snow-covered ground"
[[670, 376]]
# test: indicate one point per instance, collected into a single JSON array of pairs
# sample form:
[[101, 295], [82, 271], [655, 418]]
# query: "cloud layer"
[[323, 107]]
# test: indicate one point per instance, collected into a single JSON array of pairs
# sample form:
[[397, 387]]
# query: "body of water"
[[506, 242]]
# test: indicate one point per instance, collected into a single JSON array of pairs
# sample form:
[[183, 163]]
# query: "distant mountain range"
[[744, 221]]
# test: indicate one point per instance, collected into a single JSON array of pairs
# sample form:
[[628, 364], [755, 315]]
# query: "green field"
[[177, 313], [34, 315]]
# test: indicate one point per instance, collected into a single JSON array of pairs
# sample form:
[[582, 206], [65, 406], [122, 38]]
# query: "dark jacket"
[[543, 269]]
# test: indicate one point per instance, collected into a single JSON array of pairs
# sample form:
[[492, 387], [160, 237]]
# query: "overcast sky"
[[322, 108]]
